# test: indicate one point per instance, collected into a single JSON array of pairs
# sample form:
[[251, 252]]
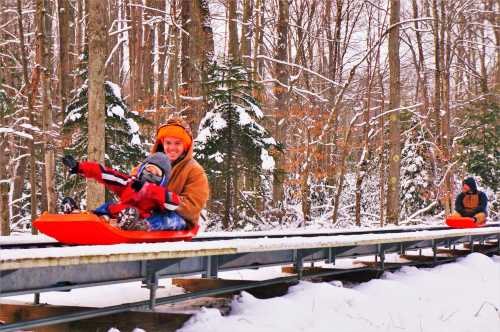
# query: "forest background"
[[314, 113]]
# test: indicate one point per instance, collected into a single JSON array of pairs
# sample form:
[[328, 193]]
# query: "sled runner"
[[88, 228], [462, 222]]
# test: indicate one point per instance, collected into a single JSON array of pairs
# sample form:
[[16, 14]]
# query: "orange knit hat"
[[174, 130]]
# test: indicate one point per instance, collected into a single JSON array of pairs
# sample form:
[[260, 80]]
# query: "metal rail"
[[12, 244]]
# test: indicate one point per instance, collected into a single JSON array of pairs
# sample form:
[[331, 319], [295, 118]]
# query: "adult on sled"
[[188, 178], [145, 203], [471, 202]]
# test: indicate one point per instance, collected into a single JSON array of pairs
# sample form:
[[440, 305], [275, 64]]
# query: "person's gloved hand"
[[172, 201], [71, 163], [137, 185]]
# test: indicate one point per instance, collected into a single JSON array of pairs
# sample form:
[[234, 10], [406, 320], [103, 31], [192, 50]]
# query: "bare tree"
[[96, 117], [30, 88], [392, 214], [281, 95]]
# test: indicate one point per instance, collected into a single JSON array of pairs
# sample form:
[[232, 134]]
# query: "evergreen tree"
[[415, 178], [124, 142], [232, 146], [481, 148]]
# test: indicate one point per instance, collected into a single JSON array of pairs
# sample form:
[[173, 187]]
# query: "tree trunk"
[[394, 122], [134, 45], [304, 179], [64, 54], [233, 51], [78, 23], [437, 74], [163, 42], [445, 53], [246, 33], [421, 73], [4, 182], [96, 102], [281, 94], [204, 50], [147, 56], [361, 167], [190, 63], [259, 39], [31, 91], [342, 168], [173, 63], [381, 125], [44, 27]]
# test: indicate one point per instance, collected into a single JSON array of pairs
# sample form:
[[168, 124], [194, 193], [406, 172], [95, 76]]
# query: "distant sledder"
[[145, 203], [470, 206]]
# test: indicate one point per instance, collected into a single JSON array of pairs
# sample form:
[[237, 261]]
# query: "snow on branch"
[[4, 130], [300, 67]]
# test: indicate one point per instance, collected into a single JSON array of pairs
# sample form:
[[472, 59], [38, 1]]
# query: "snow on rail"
[[26, 258]]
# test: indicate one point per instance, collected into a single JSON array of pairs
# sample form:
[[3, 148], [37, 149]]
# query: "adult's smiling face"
[[173, 147]]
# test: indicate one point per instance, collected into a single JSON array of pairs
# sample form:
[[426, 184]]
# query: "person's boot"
[[68, 205], [129, 220]]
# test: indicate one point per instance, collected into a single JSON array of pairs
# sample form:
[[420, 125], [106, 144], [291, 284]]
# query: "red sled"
[[88, 228], [462, 222]]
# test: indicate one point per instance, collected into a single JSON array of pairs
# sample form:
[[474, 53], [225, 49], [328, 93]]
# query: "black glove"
[[71, 163], [137, 185]]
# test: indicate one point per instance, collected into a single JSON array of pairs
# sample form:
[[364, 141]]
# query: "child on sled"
[[145, 203]]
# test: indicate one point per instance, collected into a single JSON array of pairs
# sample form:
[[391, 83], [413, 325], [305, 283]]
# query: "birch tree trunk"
[[392, 213], [96, 102]]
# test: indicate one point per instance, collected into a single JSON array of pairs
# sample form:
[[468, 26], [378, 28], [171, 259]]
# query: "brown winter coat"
[[189, 181]]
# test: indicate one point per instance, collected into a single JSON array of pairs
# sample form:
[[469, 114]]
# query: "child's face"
[[153, 169]]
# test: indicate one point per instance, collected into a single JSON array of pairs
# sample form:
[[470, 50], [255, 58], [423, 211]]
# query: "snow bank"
[[462, 296]]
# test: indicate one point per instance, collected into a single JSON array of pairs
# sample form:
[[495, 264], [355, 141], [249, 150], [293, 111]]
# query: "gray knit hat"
[[161, 160]]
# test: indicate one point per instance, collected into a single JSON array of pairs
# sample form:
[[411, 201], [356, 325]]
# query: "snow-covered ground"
[[462, 296]]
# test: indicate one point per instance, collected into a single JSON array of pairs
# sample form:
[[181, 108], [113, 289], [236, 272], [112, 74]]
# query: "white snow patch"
[[134, 127], [244, 117], [117, 91], [218, 156], [217, 123], [116, 110], [459, 297], [267, 161]]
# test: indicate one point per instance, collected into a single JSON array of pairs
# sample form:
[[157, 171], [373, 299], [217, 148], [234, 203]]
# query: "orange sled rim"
[[462, 222], [87, 228]]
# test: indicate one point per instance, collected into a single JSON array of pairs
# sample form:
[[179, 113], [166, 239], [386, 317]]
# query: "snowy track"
[[43, 241], [38, 270]]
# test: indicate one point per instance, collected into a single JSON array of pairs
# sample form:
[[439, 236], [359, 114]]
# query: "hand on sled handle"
[[137, 185], [71, 163], [172, 201]]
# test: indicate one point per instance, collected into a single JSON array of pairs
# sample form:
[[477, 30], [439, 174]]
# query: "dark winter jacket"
[[472, 202], [150, 198]]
